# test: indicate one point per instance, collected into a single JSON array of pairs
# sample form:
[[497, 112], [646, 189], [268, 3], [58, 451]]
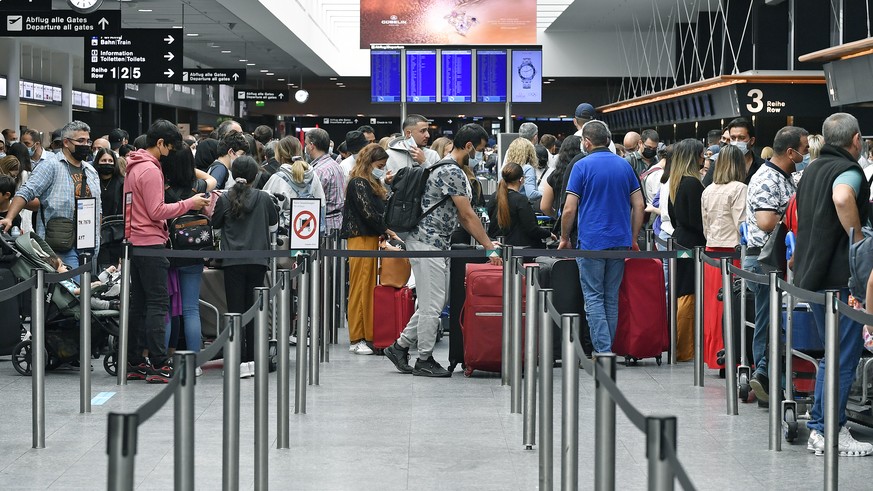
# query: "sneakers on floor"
[[760, 384], [848, 446], [162, 374], [139, 371], [198, 372], [361, 348], [399, 357], [245, 369], [430, 368]]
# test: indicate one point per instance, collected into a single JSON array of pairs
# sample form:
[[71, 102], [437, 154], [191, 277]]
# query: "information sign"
[[261, 95], [213, 76], [457, 76], [421, 74], [135, 55], [60, 23], [86, 223]]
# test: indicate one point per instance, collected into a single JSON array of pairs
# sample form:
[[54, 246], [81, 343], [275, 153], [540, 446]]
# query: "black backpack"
[[404, 212]]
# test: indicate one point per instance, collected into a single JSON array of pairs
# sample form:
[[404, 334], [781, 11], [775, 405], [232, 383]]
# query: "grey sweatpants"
[[431, 285]]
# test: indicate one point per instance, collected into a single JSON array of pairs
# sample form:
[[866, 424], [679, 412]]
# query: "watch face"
[[84, 6], [526, 71]]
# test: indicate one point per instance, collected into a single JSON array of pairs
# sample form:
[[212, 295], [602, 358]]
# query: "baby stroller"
[[62, 313]]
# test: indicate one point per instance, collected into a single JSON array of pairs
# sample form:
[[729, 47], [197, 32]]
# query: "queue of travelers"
[[598, 195]]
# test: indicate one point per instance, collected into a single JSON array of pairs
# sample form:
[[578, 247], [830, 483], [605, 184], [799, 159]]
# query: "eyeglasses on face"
[[81, 141]]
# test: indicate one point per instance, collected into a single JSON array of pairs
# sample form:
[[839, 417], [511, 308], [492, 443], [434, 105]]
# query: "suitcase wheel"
[[658, 360], [789, 425], [468, 372], [744, 388], [630, 360]]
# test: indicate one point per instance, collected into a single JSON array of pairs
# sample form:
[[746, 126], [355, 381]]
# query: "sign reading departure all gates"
[[305, 224]]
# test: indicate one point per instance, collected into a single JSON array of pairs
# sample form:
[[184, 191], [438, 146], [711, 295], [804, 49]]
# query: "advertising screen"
[[385, 75], [527, 76], [421, 75], [457, 76], [491, 76]]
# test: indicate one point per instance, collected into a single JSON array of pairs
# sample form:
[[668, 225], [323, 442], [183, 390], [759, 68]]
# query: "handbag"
[[191, 232], [112, 230], [772, 256], [60, 233], [394, 271]]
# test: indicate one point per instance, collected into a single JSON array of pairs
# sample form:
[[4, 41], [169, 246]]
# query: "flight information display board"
[[491, 76], [457, 76], [385, 75], [421, 75], [527, 76]]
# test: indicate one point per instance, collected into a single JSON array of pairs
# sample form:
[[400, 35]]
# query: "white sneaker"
[[198, 372], [363, 349], [353, 348], [849, 447], [293, 340], [816, 442], [244, 370]]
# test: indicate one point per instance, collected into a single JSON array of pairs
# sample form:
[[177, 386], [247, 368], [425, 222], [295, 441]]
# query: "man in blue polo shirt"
[[604, 192]]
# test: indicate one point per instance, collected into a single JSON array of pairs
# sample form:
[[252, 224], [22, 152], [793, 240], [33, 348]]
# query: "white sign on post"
[[86, 224], [305, 224]]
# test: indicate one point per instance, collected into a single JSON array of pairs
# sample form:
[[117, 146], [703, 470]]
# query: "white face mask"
[[743, 146]]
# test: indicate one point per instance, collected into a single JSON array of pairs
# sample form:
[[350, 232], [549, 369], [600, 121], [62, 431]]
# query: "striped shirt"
[[332, 181]]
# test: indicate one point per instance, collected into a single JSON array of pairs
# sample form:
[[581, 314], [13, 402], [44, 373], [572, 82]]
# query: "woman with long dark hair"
[[364, 226], [245, 216], [685, 194], [111, 182], [511, 214]]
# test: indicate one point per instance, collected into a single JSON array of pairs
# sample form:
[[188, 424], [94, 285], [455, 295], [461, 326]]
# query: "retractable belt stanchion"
[[546, 391], [183, 420], [262, 373], [671, 280], [326, 305], [516, 342], [604, 425], [274, 279], [85, 338], [530, 356], [38, 357], [124, 321], [727, 322], [774, 366], [698, 316], [314, 318], [569, 405], [744, 373], [341, 321], [660, 430], [283, 397], [831, 391], [508, 266], [334, 289], [230, 416], [303, 286], [121, 449]]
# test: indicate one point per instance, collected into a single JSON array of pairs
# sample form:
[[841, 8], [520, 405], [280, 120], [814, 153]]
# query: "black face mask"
[[106, 169], [649, 153], [81, 152], [167, 158]]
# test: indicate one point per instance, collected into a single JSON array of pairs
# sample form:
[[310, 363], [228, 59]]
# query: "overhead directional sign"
[[135, 55], [24, 5], [214, 76], [261, 95], [60, 23]]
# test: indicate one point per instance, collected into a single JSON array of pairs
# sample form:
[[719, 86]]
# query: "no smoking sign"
[[305, 224]]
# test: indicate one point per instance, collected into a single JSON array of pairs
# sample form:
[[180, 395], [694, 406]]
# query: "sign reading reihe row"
[[60, 23], [136, 55]]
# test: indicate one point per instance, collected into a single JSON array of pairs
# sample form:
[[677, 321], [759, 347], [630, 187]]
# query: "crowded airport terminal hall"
[[473, 245]]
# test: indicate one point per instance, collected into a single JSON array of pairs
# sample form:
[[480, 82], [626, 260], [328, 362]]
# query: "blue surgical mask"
[[378, 173], [803, 163], [743, 146], [30, 151]]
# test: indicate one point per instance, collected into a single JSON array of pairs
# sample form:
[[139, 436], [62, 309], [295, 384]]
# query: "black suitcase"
[[738, 324], [567, 298], [457, 294]]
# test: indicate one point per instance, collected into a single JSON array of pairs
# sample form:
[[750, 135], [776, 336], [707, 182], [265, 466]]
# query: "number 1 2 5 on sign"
[[126, 72]]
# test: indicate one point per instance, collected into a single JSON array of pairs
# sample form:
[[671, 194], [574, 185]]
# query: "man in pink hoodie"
[[148, 215]]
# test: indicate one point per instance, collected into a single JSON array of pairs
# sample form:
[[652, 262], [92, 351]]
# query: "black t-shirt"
[[16, 222]]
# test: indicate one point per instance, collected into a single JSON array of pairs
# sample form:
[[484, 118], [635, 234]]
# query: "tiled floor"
[[369, 427]]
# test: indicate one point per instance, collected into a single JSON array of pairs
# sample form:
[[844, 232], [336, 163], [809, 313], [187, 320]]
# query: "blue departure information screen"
[[490, 76], [457, 76], [421, 75], [385, 75]]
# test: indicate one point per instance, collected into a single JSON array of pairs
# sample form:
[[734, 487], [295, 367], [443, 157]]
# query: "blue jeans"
[[851, 346], [601, 279], [762, 317], [189, 285]]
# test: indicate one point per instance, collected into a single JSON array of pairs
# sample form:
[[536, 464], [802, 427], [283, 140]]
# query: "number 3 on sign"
[[757, 103]]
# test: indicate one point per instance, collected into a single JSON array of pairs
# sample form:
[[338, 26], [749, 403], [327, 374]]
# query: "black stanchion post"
[[744, 373], [342, 301], [730, 356], [185, 363], [262, 372], [660, 430], [314, 317], [85, 338], [515, 354], [121, 449], [326, 303], [774, 366], [530, 356], [38, 357], [604, 425], [831, 392], [124, 321]]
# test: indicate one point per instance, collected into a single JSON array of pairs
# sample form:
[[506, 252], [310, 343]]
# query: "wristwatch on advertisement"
[[527, 72]]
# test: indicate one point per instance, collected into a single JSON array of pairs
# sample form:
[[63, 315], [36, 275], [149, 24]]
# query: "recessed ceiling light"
[[333, 78], [270, 73], [250, 64], [216, 46], [192, 34], [178, 27], [280, 79], [264, 71], [339, 83], [225, 51], [243, 61], [547, 82], [145, 10]]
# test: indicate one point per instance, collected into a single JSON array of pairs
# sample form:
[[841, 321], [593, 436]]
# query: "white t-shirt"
[[666, 226]]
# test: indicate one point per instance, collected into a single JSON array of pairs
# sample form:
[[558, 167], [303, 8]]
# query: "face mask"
[[805, 161], [105, 169], [410, 143], [743, 146], [649, 153], [82, 153], [330, 150], [2, 154], [31, 151], [479, 156], [378, 173]]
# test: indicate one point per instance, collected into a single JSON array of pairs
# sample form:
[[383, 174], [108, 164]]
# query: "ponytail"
[[298, 170], [511, 173], [244, 169]]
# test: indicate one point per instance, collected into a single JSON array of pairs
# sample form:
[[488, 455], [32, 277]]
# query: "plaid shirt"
[[52, 184], [331, 176]]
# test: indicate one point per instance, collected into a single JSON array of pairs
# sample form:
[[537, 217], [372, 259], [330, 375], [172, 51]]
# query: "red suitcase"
[[642, 311], [482, 318], [392, 309]]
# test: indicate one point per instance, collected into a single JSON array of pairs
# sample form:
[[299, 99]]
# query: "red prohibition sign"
[[304, 224]]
